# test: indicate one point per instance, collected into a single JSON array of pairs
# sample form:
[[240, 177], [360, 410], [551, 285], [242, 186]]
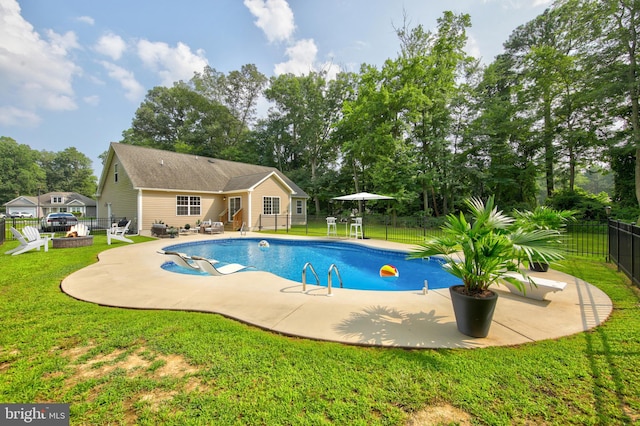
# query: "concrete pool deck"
[[130, 276]]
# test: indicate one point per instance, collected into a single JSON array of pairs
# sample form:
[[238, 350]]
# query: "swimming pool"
[[359, 266]]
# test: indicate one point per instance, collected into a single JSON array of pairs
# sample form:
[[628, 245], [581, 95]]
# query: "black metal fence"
[[579, 238], [624, 248], [96, 225]]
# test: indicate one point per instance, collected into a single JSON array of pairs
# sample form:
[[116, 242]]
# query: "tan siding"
[[161, 205], [122, 196], [269, 188]]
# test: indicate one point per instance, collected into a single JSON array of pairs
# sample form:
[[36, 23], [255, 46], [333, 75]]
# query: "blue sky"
[[73, 72]]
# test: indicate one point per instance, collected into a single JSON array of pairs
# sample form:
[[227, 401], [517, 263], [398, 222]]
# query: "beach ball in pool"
[[389, 272], [263, 245]]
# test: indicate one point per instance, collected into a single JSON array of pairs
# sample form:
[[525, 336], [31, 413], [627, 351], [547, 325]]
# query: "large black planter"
[[539, 266], [473, 314]]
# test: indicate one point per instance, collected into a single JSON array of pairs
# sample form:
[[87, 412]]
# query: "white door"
[[235, 204]]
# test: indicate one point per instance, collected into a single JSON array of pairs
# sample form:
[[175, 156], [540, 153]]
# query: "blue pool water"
[[359, 266]]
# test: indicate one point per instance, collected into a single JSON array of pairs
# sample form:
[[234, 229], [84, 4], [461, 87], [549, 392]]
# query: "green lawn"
[[123, 366]]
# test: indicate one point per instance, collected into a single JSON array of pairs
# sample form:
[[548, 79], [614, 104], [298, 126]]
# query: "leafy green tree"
[[19, 171], [182, 120], [306, 109], [239, 91], [497, 152], [69, 171], [615, 66]]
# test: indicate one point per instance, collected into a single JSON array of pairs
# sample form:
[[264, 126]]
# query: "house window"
[[56, 199], [115, 173], [271, 205], [187, 205], [299, 207]]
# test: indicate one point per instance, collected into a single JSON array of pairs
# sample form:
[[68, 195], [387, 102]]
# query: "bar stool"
[[332, 228], [356, 228]]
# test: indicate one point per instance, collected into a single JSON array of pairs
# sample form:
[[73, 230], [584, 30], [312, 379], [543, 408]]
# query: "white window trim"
[[271, 198], [189, 205]]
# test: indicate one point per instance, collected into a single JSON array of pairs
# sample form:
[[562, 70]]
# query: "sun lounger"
[[206, 265], [183, 259], [538, 290]]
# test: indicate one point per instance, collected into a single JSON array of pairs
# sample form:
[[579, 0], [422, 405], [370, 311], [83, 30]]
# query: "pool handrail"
[[304, 275]]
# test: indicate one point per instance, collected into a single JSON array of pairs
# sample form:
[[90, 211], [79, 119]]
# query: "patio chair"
[[355, 230], [118, 233], [332, 228], [31, 233], [80, 229], [26, 245], [214, 228], [206, 265]]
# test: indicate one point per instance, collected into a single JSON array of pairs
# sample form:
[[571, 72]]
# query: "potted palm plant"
[[481, 252], [543, 217]]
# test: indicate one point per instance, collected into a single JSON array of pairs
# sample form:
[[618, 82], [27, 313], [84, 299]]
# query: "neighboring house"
[[151, 185], [53, 202]]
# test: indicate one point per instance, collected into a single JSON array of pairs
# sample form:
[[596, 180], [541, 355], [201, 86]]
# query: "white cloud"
[[12, 116], [134, 90], [537, 3], [302, 56], [520, 4], [92, 100], [171, 63], [302, 60], [86, 19], [111, 45], [34, 72], [275, 18], [472, 47]]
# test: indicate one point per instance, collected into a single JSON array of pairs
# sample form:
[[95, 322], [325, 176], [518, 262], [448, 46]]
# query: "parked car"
[[58, 222], [14, 215]]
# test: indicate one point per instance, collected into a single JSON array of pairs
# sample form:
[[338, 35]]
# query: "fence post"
[[386, 228], [618, 244]]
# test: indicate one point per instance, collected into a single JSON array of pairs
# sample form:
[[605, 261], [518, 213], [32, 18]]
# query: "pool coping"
[[130, 276]]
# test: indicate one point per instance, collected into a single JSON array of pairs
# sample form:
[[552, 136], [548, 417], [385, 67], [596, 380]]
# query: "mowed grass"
[[119, 366]]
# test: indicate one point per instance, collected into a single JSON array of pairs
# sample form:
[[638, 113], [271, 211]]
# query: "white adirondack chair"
[[28, 242], [118, 233]]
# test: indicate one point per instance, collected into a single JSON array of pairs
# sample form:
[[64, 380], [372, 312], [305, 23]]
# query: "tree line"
[[548, 120], [433, 125], [25, 171]]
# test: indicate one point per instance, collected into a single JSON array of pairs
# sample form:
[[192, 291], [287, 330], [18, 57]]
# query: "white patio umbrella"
[[362, 196]]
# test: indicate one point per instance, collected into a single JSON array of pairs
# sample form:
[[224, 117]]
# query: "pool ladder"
[[333, 267]]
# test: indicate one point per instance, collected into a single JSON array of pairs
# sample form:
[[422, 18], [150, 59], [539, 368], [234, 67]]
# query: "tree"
[[20, 174], [497, 153], [306, 109], [616, 24], [239, 91], [182, 120], [69, 171]]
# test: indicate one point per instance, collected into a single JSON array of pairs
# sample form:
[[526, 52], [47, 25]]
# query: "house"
[[149, 185], [53, 202]]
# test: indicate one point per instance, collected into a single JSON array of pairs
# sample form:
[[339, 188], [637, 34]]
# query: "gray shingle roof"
[[150, 168]]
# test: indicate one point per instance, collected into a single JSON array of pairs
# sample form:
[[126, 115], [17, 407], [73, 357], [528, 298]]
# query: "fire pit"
[[76, 237], [72, 242]]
